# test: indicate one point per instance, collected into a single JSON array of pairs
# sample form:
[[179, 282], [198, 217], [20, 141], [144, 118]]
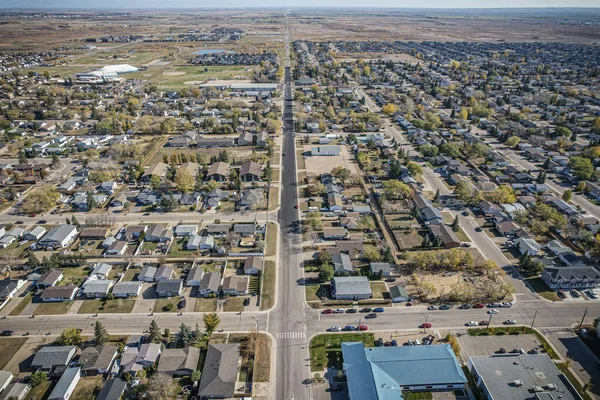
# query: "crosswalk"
[[291, 335]]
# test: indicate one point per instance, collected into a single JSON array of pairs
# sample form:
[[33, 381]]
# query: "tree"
[[463, 192], [414, 169], [582, 167], [372, 254], [160, 386], [185, 336], [326, 272], [37, 377], [341, 173], [428, 150], [541, 179], [389, 109], [388, 257], [168, 203], [567, 195], [456, 224], [423, 288], [22, 158], [154, 181], [463, 114], [393, 189], [70, 337], [100, 333], [90, 201], [75, 222], [196, 375], [55, 161], [154, 334], [184, 180], [168, 125], [211, 322]]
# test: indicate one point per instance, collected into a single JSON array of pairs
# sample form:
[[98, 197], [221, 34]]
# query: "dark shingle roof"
[[220, 370]]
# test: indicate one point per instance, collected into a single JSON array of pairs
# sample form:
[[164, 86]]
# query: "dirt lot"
[[321, 164]]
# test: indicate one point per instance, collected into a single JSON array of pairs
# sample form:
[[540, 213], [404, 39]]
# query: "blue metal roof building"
[[384, 372]]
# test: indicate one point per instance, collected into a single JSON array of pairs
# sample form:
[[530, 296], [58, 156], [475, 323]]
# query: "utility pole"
[[533, 321], [582, 319], [490, 322]]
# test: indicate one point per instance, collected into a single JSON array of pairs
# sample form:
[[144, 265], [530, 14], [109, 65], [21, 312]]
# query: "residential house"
[[93, 233], [134, 360], [508, 228], [49, 278], [159, 233], [101, 270], [186, 230], [15, 390], [593, 189], [335, 233], [250, 171], [218, 171], [35, 234], [245, 230], [217, 229], [49, 357], [169, 287], [58, 293], [126, 289], [398, 294], [179, 362], [253, 265], [97, 288], [133, 232], [252, 198], [235, 285], [529, 246], [325, 151], [97, 360], [5, 379], [58, 237], [159, 170], [342, 265], [380, 267], [350, 288], [113, 389], [569, 278], [445, 234], [194, 276], [147, 274], [219, 375], [201, 243], [351, 247], [209, 284], [163, 272], [9, 287]]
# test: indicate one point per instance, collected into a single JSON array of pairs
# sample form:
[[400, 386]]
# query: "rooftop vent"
[[518, 382], [538, 389], [551, 386]]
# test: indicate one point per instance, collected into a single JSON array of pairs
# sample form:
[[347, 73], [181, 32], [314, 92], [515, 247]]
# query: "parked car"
[[465, 307], [431, 308], [394, 343], [510, 322], [371, 316], [493, 311], [591, 294], [575, 294], [362, 328], [328, 311], [446, 307], [365, 310], [478, 305], [506, 304], [379, 309], [561, 294], [390, 279], [478, 229], [351, 311], [336, 387], [338, 311], [425, 325], [335, 329], [7, 333], [484, 323], [247, 301], [472, 323], [502, 351], [349, 328], [465, 244], [379, 342]]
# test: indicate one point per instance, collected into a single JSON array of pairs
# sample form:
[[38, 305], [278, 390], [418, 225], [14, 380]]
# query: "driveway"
[[145, 302]]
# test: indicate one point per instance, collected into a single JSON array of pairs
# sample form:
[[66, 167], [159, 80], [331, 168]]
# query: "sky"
[[174, 4]]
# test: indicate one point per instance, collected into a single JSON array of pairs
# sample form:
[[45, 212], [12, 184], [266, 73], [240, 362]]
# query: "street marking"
[[291, 335]]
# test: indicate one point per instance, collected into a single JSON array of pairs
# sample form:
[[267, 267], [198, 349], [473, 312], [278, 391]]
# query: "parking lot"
[[488, 345]]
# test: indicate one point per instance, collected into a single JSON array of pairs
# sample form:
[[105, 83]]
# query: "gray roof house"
[[36, 233], [219, 374], [186, 230], [217, 229], [59, 293], [98, 288], [194, 277], [245, 229], [59, 236], [15, 390], [342, 264], [147, 274], [169, 287], [49, 278], [134, 359], [113, 389], [196, 242], [398, 293], [179, 362], [52, 356], [163, 272], [351, 288], [101, 270], [5, 379], [97, 360], [253, 265], [127, 289], [528, 245], [568, 278], [209, 284], [384, 267]]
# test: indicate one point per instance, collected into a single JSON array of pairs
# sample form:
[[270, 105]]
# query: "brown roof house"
[[253, 265], [250, 171], [218, 171], [179, 362], [97, 360]]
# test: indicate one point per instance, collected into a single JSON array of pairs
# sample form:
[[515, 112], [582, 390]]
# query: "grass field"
[[8, 348], [378, 289], [273, 198], [205, 305], [131, 273], [21, 306], [325, 350], [39, 391], [262, 359], [234, 304], [540, 287], [161, 304], [52, 308], [94, 306], [268, 286], [271, 245], [184, 75]]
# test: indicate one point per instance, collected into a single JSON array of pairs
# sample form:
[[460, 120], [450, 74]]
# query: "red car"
[[484, 323], [296, 206], [33, 215], [328, 311], [423, 326], [561, 294], [362, 328], [478, 305]]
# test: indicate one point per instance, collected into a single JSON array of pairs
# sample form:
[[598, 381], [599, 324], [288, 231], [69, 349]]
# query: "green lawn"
[[462, 235], [188, 74], [234, 304], [540, 287], [268, 286], [315, 292], [87, 388], [271, 243], [131, 273], [93, 306], [8, 348], [21, 306], [417, 395], [177, 249], [52, 308], [161, 304], [39, 391], [325, 350], [378, 289], [205, 305]]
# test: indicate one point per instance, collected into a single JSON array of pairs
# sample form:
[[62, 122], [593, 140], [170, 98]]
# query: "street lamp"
[[490, 322]]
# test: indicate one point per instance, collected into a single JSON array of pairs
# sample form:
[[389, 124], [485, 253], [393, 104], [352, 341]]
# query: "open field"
[[52, 308], [8, 348]]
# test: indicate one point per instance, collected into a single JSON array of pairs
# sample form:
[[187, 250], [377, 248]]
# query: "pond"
[[213, 51]]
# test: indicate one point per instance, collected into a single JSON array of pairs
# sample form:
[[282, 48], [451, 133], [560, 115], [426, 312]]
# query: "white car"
[[338, 311], [335, 329], [506, 304], [510, 322], [472, 323], [493, 311]]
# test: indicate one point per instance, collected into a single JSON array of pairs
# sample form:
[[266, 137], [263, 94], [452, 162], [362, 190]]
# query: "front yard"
[[97, 306], [326, 349]]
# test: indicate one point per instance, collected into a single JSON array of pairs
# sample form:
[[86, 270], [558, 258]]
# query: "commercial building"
[[351, 288]]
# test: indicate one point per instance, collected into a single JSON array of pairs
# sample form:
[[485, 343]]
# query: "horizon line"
[[290, 8]]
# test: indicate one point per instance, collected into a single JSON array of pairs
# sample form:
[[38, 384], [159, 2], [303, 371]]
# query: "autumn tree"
[[40, 200], [389, 109], [70, 337], [211, 322], [341, 173], [184, 180]]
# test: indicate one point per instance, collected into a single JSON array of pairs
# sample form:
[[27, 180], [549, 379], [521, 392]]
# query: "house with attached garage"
[[159, 170], [220, 371], [97, 360], [147, 274], [253, 265], [163, 272], [179, 362], [445, 234], [101, 270], [335, 233], [186, 230], [209, 284], [116, 248], [35, 234], [66, 384], [217, 229], [49, 278], [529, 246], [342, 264], [169, 287], [194, 277], [97, 288], [126, 289], [235, 285], [49, 357], [135, 359], [58, 293], [159, 233], [58, 237], [245, 230], [351, 288], [201, 243]]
